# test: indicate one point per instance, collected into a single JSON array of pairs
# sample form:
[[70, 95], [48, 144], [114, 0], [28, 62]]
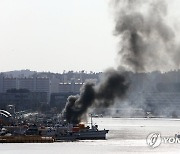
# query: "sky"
[[57, 35]]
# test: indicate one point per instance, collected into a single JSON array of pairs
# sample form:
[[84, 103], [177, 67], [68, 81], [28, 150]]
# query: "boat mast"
[[91, 121]]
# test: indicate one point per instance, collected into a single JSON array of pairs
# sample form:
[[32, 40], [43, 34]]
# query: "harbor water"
[[126, 135]]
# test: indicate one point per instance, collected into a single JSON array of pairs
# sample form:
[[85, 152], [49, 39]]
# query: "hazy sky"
[[57, 35]]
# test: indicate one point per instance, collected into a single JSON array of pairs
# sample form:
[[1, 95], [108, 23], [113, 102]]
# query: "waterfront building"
[[23, 100]]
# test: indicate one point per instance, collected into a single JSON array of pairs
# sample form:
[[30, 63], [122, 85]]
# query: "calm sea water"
[[125, 136]]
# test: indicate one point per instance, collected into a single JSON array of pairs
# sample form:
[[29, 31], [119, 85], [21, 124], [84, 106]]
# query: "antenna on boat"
[[91, 121]]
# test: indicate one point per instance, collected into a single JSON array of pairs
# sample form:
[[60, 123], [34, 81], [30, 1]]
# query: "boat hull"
[[86, 135], [92, 135]]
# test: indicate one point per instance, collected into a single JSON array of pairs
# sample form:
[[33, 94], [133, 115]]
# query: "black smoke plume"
[[147, 43], [76, 106], [113, 85]]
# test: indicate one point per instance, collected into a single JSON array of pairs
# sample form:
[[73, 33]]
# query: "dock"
[[26, 139]]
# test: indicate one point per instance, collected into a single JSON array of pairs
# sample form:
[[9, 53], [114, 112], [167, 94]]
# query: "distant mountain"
[[66, 76], [20, 73]]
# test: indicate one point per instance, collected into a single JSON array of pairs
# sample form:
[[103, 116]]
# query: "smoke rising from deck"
[[146, 43], [113, 85]]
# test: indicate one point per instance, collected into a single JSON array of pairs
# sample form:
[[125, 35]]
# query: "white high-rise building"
[[54, 85], [70, 87], [9, 83], [1, 82], [32, 84], [27, 83], [42, 85]]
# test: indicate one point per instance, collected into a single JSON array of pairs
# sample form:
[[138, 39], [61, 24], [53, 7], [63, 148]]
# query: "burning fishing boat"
[[80, 132]]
